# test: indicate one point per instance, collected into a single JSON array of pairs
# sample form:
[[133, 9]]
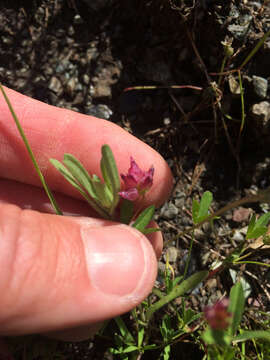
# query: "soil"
[[86, 55]]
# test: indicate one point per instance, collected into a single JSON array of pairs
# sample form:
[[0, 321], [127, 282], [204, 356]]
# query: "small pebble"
[[169, 211]]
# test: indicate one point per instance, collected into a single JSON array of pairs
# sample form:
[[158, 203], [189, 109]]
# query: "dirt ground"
[[82, 55]]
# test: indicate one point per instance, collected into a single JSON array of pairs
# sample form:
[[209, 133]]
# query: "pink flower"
[[137, 181], [217, 315]]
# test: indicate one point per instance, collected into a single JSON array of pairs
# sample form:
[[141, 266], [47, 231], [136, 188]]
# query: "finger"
[[34, 198], [63, 272], [53, 131]]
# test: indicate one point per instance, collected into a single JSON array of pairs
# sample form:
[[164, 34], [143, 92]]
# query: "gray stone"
[[238, 236], [55, 85], [169, 211], [77, 19], [71, 30], [261, 113], [239, 31], [172, 254], [86, 79], [70, 86], [260, 86], [102, 89], [101, 111], [161, 268]]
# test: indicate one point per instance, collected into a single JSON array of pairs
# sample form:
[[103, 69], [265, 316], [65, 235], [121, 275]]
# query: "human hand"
[[64, 272]]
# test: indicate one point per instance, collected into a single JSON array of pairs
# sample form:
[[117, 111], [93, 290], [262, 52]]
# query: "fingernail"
[[119, 259]]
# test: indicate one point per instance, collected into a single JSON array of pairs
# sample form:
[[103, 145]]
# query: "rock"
[[71, 30], [78, 99], [101, 111], [260, 86], [192, 266], [238, 236], [86, 79], [70, 86], [169, 211], [240, 30], [241, 214], [77, 19], [102, 89], [172, 254], [55, 85], [199, 234], [234, 85], [161, 268], [261, 113]]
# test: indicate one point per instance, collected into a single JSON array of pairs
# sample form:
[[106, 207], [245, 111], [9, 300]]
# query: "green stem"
[[252, 262], [26, 143], [221, 70], [253, 52]]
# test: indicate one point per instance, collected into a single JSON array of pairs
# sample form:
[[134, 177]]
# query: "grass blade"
[[32, 156]]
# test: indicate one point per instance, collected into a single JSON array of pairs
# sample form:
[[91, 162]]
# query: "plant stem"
[[26, 143]]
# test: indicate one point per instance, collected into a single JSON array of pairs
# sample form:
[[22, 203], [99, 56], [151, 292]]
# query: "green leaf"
[[70, 178], [263, 220], [126, 211], [195, 210], [144, 218], [140, 336], [216, 337], [110, 174], [236, 307], [201, 210], [249, 335], [259, 227], [187, 285], [67, 174], [80, 174], [205, 203], [190, 315], [130, 349], [124, 330], [104, 195], [251, 226]]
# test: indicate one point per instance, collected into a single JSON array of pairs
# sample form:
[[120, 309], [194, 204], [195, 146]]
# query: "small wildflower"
[[217, 315], [137, 181]]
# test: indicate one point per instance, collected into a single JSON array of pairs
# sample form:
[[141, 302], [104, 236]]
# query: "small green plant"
[[105, 196], [224, 319]]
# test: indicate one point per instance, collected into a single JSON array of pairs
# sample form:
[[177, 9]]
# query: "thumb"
[[62, 272]]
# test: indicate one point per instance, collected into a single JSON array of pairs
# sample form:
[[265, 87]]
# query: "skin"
[[64, 275]]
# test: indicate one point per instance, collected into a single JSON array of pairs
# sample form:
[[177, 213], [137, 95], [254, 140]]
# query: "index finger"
[[53, 131]]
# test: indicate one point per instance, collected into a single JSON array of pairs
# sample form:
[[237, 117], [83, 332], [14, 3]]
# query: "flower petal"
[[135, 171], [130, 194], [147, 181], [129, 181]]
